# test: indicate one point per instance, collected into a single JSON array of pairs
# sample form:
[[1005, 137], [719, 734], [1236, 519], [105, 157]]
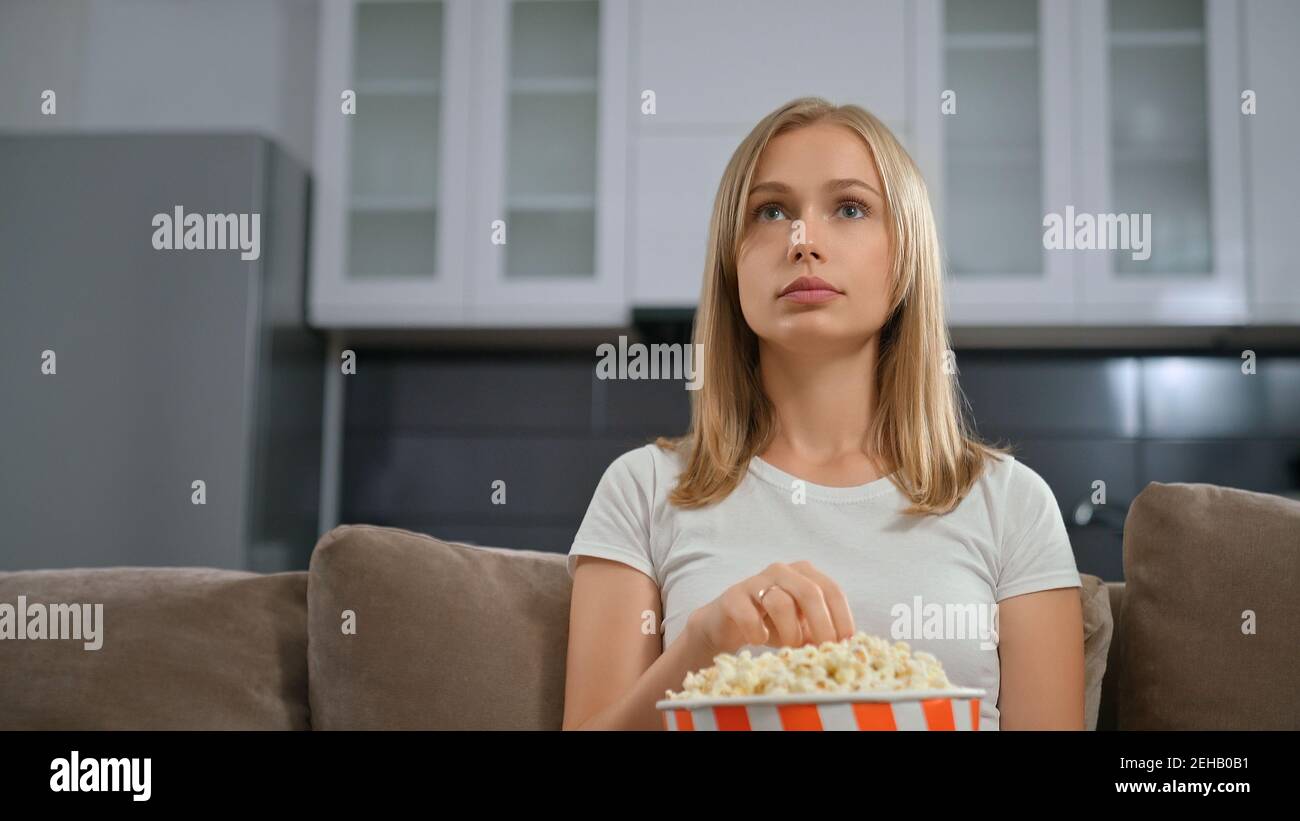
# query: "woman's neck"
[[824, 401]]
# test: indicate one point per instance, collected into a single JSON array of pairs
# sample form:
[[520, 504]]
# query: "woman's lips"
[[811, 296]]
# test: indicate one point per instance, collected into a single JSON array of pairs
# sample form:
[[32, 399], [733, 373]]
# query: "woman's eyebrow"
[[837, 185], [779, 187], [831, 185]]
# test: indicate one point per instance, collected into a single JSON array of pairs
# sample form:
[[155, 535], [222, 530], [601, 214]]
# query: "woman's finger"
[[841, 615], [781, 611], [811, 602]]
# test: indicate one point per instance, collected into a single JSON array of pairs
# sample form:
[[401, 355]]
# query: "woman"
[[828, 482]]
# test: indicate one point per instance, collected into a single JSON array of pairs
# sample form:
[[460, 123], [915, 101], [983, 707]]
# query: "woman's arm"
[[1040, 643], [615, 671]]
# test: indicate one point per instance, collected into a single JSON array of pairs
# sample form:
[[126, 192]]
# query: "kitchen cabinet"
[[590, 136], [480, 180], [1111, 114], [1159, 132], [997, 128], [715, 69], [550, 151]]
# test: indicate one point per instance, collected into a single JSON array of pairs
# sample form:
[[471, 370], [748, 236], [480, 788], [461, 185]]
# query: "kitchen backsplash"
[[427, 434]]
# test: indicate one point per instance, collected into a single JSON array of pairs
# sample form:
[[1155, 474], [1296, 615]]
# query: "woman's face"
[[815, 209]]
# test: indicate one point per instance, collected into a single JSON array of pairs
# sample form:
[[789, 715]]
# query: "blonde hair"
[[918, 426]]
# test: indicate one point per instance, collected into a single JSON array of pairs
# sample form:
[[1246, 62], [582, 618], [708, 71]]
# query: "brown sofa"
[[393, 629]]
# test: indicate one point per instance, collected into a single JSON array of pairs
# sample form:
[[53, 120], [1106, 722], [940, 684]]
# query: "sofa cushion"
[[447, 635], [1098, 628], [1197, 557], [182, 648], [1110, 684]]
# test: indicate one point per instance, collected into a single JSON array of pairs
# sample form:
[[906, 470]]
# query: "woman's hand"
[[798, 605]]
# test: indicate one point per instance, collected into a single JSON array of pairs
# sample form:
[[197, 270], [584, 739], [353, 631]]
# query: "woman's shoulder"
[[1013, 488], [1020, 478], [641, 455], [646, 464], [1006, 479], [1002, 470]]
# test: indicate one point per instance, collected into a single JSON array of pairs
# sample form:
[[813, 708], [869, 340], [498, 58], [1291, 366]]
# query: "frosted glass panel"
[[997, 98], [1138, 15], [551, 243], [552, 127], [554, 39], [552, 144], [393, 193], [987, 16], [1175, 194], [1158, 137], [398, 40], [395, 146], [392, 243], [995, 222], [992, 145]]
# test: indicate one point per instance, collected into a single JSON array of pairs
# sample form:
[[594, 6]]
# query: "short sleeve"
[[617, 523], [1036, 553]]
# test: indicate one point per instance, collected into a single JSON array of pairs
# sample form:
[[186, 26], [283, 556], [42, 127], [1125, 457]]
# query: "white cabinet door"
[[729, 62], [550, 159], [674, 181], [389, 219], [993, 125], [716, 69], [1159, 125], [1273, 74]]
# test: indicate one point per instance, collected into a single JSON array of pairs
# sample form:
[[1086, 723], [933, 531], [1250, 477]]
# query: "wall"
[[143, 65]]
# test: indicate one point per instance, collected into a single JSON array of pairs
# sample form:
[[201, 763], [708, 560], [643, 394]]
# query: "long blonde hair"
[[918, 426]]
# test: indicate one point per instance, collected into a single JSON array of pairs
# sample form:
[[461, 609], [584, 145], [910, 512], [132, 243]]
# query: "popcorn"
[[861, 663]]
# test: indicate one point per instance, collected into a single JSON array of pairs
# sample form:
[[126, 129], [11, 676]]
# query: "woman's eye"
[[770, 212], [852, 210]]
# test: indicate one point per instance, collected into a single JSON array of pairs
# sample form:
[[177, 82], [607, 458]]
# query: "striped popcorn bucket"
[[954, 709]]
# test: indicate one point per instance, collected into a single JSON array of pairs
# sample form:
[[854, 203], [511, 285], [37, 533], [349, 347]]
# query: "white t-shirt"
[[931, 582]]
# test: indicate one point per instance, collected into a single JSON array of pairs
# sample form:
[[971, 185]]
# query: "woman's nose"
[[802, 246]]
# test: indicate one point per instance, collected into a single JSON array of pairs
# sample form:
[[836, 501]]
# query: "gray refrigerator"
[[158, 406]]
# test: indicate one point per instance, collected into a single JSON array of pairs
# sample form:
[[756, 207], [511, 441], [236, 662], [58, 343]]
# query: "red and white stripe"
[[926, 714]]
